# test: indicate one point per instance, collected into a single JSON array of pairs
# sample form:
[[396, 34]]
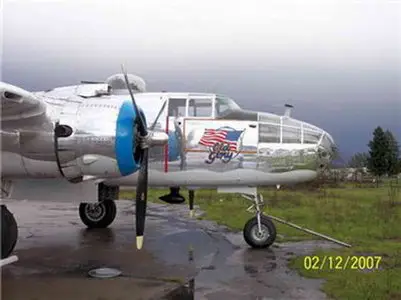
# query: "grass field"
[[368, 218]]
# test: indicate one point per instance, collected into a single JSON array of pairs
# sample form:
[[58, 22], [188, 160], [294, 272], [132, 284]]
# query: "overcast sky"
[[338, 62]]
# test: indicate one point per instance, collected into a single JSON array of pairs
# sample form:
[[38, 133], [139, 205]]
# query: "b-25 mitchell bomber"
[[116, 134]]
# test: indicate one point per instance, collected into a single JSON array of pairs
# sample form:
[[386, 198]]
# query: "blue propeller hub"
[[125, 144]]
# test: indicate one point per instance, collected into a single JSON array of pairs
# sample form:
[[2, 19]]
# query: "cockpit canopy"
[[272, 128], [201, 105], [224, 105]]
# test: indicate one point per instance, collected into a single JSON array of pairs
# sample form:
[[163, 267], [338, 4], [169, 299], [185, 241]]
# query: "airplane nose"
[[326, 149], [323, 141], [327, 143], [302, 144]]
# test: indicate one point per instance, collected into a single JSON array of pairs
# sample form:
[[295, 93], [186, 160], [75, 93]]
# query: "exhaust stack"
[[288, 109]]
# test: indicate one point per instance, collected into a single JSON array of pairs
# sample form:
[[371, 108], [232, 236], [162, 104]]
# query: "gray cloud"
[[338, 62]]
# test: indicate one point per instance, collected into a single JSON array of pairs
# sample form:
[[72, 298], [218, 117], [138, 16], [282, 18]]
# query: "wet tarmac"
[[56, 253]]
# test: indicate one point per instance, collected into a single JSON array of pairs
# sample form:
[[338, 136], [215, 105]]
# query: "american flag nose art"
[[212, 136]]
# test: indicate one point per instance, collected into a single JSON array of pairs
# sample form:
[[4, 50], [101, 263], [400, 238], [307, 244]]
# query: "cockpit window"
[[311, 137], [224, 105], [176, 107], [200, 108]]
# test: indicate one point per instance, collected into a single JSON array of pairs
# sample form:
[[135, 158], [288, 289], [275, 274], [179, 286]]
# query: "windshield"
[[224, 104]]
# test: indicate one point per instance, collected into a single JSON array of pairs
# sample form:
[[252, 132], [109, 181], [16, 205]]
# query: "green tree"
[[359, 160], [378, 153], [393, 154]]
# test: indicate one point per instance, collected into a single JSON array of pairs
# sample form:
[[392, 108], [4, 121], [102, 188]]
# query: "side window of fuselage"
[[177, 107], [200, 108]]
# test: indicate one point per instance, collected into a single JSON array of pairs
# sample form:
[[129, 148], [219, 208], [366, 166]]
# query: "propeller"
[[146, 139]]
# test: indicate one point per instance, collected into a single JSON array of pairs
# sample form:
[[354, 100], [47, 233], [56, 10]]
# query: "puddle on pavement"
[[235, 271], [226, 267]]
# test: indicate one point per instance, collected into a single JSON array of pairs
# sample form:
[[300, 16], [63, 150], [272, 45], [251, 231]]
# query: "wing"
[[18, 104]]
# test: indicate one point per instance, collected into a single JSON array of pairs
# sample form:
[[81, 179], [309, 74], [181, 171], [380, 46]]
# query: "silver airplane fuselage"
[[88, 132]]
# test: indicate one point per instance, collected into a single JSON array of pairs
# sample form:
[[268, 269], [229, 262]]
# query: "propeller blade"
[[152, 127], [142, 185], [191, 194], [142, 126], [141, 199]]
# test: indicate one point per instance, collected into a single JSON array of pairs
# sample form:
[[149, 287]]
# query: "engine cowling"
[[126, 148], [101, 143]]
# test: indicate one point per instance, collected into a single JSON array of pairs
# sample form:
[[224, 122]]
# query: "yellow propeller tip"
[[191, 213], [139, 242]]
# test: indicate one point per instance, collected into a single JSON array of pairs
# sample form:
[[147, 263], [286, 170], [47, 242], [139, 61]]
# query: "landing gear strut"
[[102, 213], [259, 231]]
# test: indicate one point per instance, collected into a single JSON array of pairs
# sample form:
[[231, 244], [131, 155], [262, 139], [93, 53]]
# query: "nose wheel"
[[259, 234], [259, 231]]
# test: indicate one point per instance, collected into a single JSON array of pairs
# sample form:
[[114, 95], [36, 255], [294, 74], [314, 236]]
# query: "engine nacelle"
[[100, 144], [90, 138]]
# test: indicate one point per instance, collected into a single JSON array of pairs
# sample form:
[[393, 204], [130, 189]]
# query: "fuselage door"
[[188, 106], [177, 109], [181, 107]]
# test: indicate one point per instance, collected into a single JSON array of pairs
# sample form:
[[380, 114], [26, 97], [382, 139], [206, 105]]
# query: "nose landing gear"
[[259, 231]]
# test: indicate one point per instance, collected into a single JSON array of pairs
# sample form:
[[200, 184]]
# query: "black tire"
[[251, 231], [103, 216], [9, 232]]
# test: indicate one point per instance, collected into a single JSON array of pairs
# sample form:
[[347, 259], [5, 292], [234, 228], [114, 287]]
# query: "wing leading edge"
[[19, 104]]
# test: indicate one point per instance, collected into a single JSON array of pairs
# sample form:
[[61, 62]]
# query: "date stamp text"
[[352, 262]]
